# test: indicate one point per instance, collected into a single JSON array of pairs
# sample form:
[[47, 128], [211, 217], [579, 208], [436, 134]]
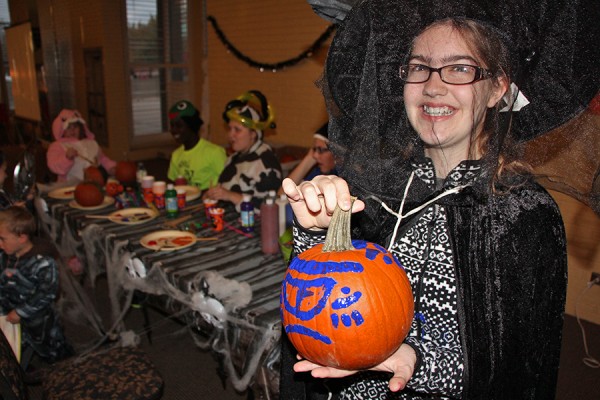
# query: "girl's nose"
[[434, 86]]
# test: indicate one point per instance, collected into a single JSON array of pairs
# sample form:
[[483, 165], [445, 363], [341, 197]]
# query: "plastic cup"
[[147, 182], [158, 190], [217, 215], [159, 187], [181, 194], [208, 204]]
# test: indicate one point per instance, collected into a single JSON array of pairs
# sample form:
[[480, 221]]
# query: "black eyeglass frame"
[[480, 73], [320, 150]]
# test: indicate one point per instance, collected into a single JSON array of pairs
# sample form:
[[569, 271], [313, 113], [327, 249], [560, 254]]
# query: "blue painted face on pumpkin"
[[305, 298]]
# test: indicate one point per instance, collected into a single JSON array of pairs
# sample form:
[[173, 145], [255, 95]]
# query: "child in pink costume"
[[74, 148]]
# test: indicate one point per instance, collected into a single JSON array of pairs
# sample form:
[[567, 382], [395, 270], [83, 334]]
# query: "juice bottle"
[[171, 201], [247, 214], [269, 225]]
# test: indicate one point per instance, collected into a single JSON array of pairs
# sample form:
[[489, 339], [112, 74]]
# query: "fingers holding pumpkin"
[[328, 191], [319, 371], [401, 364], [291, 190]]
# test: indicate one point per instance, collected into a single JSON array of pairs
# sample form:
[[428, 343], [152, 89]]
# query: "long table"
[[225, 288]]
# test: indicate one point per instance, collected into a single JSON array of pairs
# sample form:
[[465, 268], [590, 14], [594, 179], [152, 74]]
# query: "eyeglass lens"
[[452, 74], [320, 150]]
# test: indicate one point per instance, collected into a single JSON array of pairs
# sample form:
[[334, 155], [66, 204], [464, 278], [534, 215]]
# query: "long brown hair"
[[494, 142]]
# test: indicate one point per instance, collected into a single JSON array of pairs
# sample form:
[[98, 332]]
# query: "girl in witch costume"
[[482, 243]]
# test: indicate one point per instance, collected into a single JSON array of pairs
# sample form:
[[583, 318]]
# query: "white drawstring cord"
[[399, 215]]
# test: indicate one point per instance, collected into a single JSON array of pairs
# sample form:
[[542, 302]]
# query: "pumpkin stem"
[[338, 235]]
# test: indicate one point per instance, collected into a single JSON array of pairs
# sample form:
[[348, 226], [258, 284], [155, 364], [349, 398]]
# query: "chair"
[[117, 373]]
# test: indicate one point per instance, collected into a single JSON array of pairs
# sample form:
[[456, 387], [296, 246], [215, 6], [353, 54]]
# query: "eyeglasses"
[[320, 150], [455, 74]]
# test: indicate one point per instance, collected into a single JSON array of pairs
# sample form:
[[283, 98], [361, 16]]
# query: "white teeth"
[[437, 111]]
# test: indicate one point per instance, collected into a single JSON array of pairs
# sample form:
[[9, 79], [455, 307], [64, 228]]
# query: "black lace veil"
[[556, 65]]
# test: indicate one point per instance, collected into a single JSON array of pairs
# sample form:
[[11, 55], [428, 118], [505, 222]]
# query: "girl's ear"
[[499, 88]]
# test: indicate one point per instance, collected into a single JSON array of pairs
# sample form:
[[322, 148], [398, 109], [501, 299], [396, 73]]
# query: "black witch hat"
[[554, 53]]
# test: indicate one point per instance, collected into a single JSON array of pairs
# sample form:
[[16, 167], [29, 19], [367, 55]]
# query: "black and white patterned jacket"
[[255, 172]]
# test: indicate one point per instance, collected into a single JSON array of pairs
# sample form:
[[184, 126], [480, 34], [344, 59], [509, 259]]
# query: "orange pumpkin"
[[346, 308], [94, 174], [88, 194], [125, 172]]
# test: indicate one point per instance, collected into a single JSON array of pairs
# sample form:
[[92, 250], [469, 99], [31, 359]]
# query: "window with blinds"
[[158, 34]]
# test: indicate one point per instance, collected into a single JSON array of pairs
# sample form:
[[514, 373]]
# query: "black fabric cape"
[[511, 267]]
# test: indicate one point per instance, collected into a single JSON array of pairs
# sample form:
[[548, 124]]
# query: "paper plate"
[[168, 240], [65, 193], [191, 192], [133, 216], [108, 201]]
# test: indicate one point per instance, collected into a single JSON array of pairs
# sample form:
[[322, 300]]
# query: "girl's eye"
[[417, 68], [462, 69]]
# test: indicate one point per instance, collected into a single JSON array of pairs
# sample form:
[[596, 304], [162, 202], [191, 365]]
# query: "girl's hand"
[[220, 193], [215, 193], [71, 153], [313, 201], [401, 364]]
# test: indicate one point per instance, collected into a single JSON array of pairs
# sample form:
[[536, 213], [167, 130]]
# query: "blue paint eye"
[[345, 302], [345, 290]]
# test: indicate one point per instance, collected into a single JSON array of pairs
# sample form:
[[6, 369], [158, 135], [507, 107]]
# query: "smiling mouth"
[[437, 111]]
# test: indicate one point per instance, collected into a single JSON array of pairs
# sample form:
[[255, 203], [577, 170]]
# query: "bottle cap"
[[170, 186], [246, 197], [272, 193]]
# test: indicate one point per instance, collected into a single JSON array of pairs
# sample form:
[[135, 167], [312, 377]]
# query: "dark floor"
[[189, 373]]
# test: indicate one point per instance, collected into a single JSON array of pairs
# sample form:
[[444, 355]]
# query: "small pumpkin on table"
[[126, 173], [89, 194]]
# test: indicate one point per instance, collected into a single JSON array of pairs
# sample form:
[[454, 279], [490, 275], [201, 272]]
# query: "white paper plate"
[[168, 240], [191, 192], [65, 193], [133, 216], [108, 201]]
